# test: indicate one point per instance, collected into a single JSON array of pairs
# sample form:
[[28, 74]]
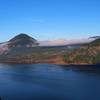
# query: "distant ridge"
[[96, 42], [95, 37]]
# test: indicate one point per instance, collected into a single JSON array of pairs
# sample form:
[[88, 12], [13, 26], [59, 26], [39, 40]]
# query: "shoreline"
[[64, 65]]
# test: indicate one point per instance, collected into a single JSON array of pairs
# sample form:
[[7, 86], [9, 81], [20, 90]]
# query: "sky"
[[49, 19]]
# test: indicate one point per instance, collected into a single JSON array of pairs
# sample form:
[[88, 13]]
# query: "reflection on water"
[[49, 82]]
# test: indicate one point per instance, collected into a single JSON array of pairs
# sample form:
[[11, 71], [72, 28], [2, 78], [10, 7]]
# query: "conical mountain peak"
[[23, 40]]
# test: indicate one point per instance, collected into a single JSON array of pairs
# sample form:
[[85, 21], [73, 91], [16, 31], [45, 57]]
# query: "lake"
[[49, 82]]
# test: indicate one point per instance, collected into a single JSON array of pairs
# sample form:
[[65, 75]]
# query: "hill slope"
[[95, 42], [89, 54]]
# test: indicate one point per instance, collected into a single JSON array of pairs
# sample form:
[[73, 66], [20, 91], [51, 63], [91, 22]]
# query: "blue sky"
[[49, 19]]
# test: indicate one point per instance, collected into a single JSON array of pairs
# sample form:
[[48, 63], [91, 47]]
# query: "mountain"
[[88, 54], [22, 40], [25, 49]]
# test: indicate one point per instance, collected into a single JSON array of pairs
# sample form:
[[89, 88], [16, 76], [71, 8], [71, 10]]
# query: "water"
[[49, 82]]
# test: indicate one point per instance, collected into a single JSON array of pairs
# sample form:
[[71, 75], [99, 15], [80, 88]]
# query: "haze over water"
[[49, 82]]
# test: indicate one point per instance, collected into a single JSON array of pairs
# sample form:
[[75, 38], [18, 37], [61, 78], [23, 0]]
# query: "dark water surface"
[[49, 82]]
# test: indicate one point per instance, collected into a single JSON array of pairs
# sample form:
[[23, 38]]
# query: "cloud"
[[63, 42], [53, 42]]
